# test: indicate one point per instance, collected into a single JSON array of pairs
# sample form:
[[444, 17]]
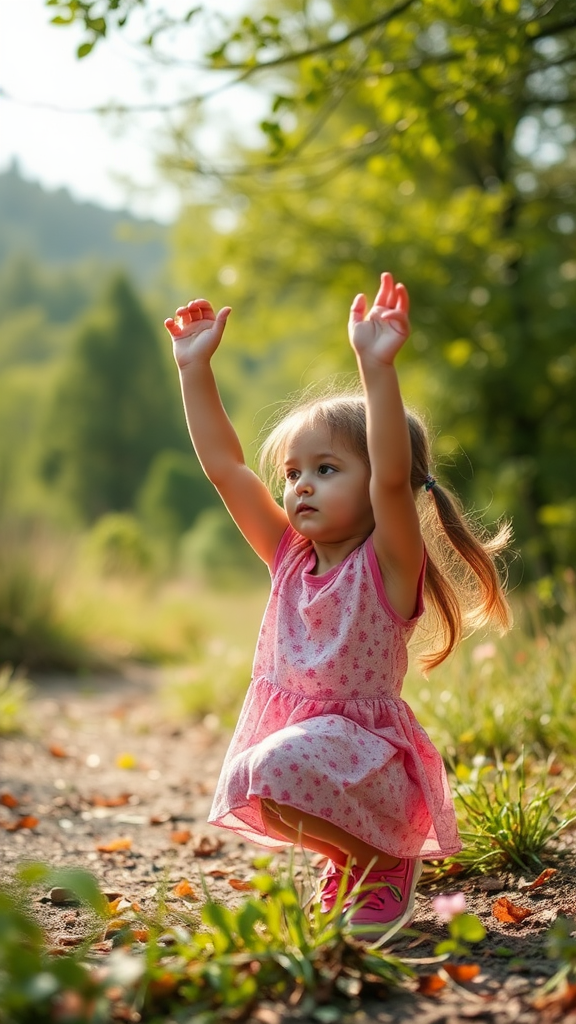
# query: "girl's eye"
[[291, 474], [324, 470]]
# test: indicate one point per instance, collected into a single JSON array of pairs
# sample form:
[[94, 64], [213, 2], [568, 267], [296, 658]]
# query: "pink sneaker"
[[388, 904], [330, 882]]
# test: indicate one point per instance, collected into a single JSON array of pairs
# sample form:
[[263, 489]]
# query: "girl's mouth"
[[304, 508]]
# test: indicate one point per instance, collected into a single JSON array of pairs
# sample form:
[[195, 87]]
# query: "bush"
[[118, 546], [174, 493], [216, 551]]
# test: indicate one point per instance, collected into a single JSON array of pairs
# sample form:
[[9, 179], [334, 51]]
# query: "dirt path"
[[100, 764]]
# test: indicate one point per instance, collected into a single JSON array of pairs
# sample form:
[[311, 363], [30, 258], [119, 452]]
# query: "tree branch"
[[312, 51]]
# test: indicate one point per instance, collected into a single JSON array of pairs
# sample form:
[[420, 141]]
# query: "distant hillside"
[[54, 228]]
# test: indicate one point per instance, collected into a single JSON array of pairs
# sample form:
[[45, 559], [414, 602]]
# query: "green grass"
[[509, 815], [269, 947], [14, 693]]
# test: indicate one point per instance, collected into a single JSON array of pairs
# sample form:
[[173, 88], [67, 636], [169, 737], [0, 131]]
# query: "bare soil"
[[100, 762]]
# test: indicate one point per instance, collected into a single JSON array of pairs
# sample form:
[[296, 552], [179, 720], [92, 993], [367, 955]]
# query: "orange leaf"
[[57, 751], [509, 913], [110, 801], [462, 972], [141, 934], [7, 800], [27, 821], [205, 846], [181, 836], [122, 843], [241, 886], [543, 877], [185, 890], [217, 873], [430, 984]]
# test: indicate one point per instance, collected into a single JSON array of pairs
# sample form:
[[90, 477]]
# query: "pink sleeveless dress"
[[323, 727]]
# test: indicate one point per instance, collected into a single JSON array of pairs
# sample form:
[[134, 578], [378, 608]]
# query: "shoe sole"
[[385, 932]]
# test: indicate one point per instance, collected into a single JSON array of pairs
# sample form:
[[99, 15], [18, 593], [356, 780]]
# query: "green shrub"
[[174, 494], [117, 545], [215, 550]]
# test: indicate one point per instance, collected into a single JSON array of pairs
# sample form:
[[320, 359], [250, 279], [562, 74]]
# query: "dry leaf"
[[218, 872], [430, 984], [562, 999], [27, 821], [240, 885], [185, 890], [160, 819], [141, 934], [57, 751], [122, 843], [205, 846], [462, 972], [181, 836], [110, 801], [543, 877], [509, 913], [7, 800]]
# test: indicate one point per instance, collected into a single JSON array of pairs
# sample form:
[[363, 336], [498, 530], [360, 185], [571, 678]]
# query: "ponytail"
[[462, 584]]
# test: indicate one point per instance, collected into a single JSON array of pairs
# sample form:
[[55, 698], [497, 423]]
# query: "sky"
[[46, 99]]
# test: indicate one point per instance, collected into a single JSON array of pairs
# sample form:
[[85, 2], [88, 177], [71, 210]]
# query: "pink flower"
[[448, 907]]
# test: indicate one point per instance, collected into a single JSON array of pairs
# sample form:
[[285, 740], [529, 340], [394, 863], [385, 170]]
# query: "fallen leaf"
[[185, 890], [430, 984], [110, 801], [27, 821], [543, 877], [205, 846], [141, 934], [62, 896], [461, 972], [561, 999], [217, 872], [122, 843], [240, 885], [7, 800], [509, 913], [159, 819], [181, 836], [57, 751]]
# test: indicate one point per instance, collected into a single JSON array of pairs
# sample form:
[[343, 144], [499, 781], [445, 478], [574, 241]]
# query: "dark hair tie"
[[429, 482]]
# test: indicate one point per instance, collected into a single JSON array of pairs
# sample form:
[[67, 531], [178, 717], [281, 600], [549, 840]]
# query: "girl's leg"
[[313, 830], [296, 836]]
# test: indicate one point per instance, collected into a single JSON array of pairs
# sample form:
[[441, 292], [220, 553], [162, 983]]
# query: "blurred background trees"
[[434, 139]]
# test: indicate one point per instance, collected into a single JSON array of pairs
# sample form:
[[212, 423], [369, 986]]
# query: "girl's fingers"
[[385, 291], [358, 309], [402, 299]]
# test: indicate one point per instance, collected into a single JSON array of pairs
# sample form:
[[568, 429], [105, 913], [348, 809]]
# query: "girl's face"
[[326, 489]]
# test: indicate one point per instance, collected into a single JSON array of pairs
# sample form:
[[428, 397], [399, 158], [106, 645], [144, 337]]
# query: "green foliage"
[[174, 493], [507, 820], [463, 929], [112, 409], [34, 630], [215, 550], [118, 546], [269, 947], [14, 693]]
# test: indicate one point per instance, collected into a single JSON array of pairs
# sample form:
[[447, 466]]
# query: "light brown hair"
[[463, 588]]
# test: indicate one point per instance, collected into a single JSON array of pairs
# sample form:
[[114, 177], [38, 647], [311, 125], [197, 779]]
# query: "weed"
[[506, 821], [14, 693], [269, 947]]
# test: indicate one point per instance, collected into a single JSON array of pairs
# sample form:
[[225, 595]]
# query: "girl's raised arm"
[[196, 332], [376, 336]]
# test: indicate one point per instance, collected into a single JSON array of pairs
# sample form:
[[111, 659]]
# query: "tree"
[[113, 408], [435, 138]]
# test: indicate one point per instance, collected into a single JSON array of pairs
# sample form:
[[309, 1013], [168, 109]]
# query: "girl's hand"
[[196, 330], [380, 334]]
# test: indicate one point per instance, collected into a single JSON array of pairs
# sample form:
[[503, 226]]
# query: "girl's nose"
[[302, 485]]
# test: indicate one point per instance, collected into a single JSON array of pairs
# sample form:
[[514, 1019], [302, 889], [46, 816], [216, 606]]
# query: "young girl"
[[326, 754]]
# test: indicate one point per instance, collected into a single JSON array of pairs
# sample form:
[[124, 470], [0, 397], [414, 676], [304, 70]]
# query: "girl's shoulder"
[[292, 547]]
